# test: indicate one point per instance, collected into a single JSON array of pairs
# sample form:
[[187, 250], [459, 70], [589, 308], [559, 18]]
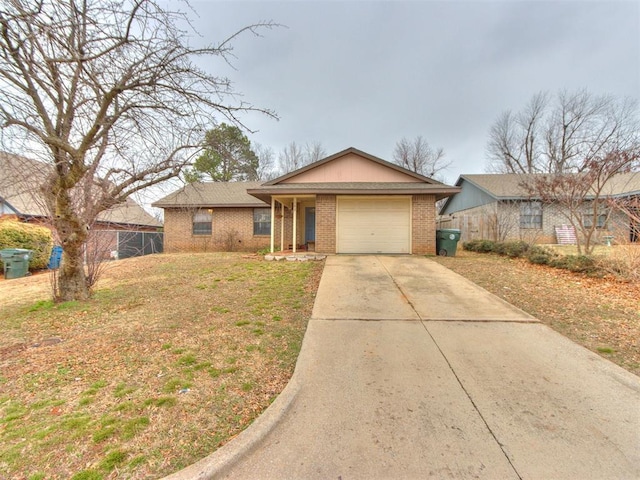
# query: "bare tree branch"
[[419, 157], [110, 97]]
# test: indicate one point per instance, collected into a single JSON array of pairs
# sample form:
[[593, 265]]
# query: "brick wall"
[[232, 230], [326, 223], [423, 223]]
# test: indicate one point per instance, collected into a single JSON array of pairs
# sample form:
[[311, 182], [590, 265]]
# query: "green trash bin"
[[447, 241], [16, 262]]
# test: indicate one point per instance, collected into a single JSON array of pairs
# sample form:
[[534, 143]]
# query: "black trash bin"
[[16, 262], [447, 241]]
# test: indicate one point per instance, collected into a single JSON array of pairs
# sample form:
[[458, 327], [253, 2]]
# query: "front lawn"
[[173, 356], [603, 314]]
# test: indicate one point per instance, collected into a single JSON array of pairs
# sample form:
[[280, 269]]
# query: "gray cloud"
[[365, 74]]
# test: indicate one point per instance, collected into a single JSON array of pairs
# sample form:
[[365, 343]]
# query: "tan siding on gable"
[[351, 168]]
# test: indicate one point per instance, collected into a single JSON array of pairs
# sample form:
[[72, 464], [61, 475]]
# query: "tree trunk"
[[71, 283]]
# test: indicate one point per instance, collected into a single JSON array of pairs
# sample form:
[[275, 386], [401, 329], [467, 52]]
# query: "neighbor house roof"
[[501, 186], [212, 194], [512, 186], [20, 182], [129, 213], [508, 186], [623, 184]]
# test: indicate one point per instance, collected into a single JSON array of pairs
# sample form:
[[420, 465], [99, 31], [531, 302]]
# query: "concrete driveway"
[[407, 370]]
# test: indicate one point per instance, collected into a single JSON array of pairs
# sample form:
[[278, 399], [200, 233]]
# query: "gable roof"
[[212, 194], [305, 181], [20, 180], [344, 153]]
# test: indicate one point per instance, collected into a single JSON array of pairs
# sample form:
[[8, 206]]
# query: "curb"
[[222, 460]]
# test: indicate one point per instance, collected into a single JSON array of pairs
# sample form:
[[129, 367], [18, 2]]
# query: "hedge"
[[14, 234], [537, 254]]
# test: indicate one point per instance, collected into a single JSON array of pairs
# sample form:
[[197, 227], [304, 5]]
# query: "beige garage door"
[[373, 225]]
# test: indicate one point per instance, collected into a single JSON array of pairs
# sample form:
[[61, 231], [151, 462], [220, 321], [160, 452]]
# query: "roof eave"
[[208, 205], [265, 194]]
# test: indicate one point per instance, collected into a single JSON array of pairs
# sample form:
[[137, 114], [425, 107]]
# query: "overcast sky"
[[366, 73]]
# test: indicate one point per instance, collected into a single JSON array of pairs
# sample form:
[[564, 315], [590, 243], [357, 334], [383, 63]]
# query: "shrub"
[[575, 263], [14, 234], [541, 255], [512, 249], [480, 246]]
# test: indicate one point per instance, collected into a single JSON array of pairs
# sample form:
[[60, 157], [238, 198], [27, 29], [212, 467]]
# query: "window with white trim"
[[262, 221]]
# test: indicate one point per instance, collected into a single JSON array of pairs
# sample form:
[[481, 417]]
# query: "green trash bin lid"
[[14, 252], [449, 233]]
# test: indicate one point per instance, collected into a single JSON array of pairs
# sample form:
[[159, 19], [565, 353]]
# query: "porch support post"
[[273, 221], [281, 226], [295, 224]]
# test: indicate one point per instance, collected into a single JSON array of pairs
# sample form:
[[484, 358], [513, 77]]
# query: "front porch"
[[293, 223]]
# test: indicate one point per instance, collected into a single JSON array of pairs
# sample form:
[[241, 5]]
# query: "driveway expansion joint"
[[476, 408]]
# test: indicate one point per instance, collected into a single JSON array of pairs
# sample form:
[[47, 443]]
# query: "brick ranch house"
[[349, 202], [499, 207]]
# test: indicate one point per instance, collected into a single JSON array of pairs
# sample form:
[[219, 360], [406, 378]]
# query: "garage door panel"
[[374, 225]]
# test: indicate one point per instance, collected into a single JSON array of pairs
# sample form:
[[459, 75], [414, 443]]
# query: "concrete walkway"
[[407, 370]]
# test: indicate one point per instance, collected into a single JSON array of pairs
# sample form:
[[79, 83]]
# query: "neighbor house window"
[[202, 222], [262, 221], [531, 215], [587, 221]]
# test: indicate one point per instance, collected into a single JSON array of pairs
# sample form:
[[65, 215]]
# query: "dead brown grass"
[[174, 356], [603, 314]]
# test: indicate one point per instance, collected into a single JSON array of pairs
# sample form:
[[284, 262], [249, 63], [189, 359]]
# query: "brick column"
[[326, 223], [423, 221]]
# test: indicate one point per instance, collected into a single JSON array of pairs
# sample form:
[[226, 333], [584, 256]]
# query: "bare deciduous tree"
[[515, 139], [582, 197], [295, 156], [266, 162], [501, 220], [561, 136], [109, 96], [419, 157]]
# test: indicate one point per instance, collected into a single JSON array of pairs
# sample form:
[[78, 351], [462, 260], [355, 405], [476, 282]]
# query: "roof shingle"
[[212, 194]]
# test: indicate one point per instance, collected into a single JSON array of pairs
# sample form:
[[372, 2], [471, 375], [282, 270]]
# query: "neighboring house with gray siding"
[[500, 207]]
